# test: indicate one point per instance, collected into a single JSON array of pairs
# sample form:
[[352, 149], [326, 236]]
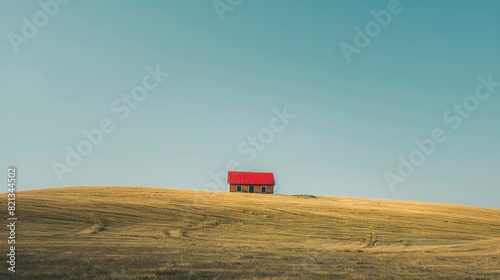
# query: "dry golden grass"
[[159, 233]]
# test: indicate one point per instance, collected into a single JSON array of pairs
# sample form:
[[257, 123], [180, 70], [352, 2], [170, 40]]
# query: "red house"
[[250, 182]]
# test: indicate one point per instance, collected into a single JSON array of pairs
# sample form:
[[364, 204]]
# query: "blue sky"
[[231, 70]]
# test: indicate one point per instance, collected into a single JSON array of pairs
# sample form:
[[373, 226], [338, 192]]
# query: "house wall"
[[257, 188]]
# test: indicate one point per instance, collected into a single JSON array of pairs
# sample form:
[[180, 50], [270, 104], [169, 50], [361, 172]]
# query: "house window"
[[250, 189], [263, 190], [238, 188]]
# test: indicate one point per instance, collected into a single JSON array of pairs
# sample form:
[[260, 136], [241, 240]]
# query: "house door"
[[250, 189]]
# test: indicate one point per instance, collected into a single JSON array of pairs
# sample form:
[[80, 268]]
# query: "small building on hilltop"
[[250, 182]]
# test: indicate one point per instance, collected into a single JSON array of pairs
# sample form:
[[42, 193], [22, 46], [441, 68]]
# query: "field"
[[161, 233]]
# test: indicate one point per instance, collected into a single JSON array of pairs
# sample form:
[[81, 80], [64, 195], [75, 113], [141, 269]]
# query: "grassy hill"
[[160, 233]]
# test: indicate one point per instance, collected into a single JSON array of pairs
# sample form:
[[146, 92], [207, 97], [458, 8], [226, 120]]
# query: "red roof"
[[250, 178]]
